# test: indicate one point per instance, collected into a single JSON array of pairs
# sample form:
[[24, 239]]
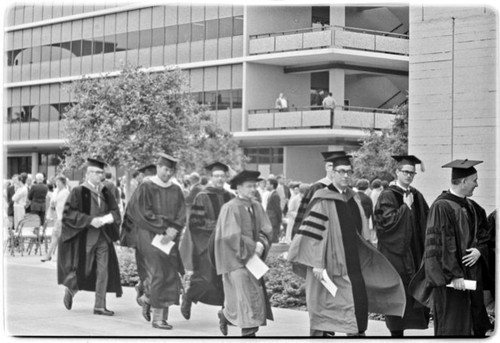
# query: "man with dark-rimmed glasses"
[[400, 219], [331, 244]]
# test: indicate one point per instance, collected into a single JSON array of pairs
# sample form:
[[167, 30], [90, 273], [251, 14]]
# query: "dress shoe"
[[186, 307], [222, 323], [103, 311], [139, 292], [162, 324], [46, 259], [146, 311], [68, 299]]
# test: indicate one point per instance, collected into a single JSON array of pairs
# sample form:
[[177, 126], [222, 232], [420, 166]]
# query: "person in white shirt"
[[281, 103], [20, 199], [58, 200]]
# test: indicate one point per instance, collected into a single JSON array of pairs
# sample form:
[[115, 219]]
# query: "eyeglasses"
[[408, 172], [344, 172]]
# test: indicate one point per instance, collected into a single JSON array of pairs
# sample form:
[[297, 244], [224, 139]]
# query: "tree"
[[373, 159], [128, 117]]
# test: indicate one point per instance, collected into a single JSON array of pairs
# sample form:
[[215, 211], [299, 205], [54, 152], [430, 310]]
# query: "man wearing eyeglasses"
[[90, 224], [400, 219], [331, 244]]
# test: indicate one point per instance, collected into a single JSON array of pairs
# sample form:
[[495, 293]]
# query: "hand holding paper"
[[465, 285], [256, 266], [328, 283], [165, 247]]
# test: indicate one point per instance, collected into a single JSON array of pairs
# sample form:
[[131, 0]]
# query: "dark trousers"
[[99, 254], [40, 214]]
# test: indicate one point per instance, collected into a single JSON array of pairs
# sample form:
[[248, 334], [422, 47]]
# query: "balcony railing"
[[312, 117], [327, 37]]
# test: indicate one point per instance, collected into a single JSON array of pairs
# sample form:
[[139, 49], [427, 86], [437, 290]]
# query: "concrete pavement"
[[33, 307]]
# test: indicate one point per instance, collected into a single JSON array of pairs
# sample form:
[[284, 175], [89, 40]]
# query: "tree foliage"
[[128, 117], [373, 159]]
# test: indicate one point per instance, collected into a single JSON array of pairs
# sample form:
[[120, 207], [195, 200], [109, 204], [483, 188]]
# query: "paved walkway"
[[33, 307]]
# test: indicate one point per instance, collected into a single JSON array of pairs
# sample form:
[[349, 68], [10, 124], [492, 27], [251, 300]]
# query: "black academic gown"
[[401, 236], [153, 209], [206, 286], [454, 225], [72, 257]]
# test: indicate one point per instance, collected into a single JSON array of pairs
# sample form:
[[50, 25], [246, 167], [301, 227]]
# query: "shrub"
[[128, 267], [284, 288]]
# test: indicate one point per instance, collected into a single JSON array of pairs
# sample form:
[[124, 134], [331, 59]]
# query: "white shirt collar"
[[455, 194]]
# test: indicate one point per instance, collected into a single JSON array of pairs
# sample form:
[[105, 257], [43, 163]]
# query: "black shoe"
[[139, 292], [162, 324], [186, 308], [222, 323], [103, 311], [146, 311], [68, 299], [46, 259]]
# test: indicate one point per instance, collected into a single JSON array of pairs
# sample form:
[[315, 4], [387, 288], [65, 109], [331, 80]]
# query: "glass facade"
[[96, 42], [266, 160], [148, 37]]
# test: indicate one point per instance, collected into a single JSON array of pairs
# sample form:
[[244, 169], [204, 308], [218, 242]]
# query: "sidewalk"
[[33, 307]]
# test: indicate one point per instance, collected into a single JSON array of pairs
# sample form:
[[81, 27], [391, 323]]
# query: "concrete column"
[[337, 15], [336, 85], [34, 163]]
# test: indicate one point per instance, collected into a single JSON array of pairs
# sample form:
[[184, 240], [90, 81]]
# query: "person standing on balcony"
[[400, 218], [281, 103], [329, 102]]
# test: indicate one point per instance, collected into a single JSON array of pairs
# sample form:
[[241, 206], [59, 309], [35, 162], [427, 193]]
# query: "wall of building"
[[368, 90], [304, 163], [453, 96], [265, 82], [268, 19]]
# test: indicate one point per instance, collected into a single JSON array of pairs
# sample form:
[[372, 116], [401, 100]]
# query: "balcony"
[[329, 37], [313, 117]]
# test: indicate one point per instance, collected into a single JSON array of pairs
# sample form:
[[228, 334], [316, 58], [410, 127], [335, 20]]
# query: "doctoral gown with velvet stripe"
[[330, 238], [206, 285]]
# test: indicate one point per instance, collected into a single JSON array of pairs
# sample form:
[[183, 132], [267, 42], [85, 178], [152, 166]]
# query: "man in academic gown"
[[332, 240], [400, 219], [205, 285], [456, 249], [324, 182], [242, 231], [158, 208], [86, 256], [128, 238]]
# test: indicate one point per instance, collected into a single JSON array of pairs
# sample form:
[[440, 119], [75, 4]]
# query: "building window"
[[18, 165], [266, 160]]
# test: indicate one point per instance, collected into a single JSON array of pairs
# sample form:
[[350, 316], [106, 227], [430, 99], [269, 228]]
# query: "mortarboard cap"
[[408, 160], [244, 175], [217, 166], [97, 162], [149, 169], [462, 168], [166, 160], [338, 158]]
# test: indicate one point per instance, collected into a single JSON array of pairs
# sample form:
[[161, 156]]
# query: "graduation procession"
[[247, 170], [428, 267]]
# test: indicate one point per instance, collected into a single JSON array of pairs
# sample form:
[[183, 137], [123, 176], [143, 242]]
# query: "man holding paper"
[[346, 277], [158, 211], [456, 250], [86, 256], [242, 240]]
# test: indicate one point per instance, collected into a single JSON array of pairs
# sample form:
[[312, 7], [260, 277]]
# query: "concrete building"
[[454, 96], [238, 58]]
